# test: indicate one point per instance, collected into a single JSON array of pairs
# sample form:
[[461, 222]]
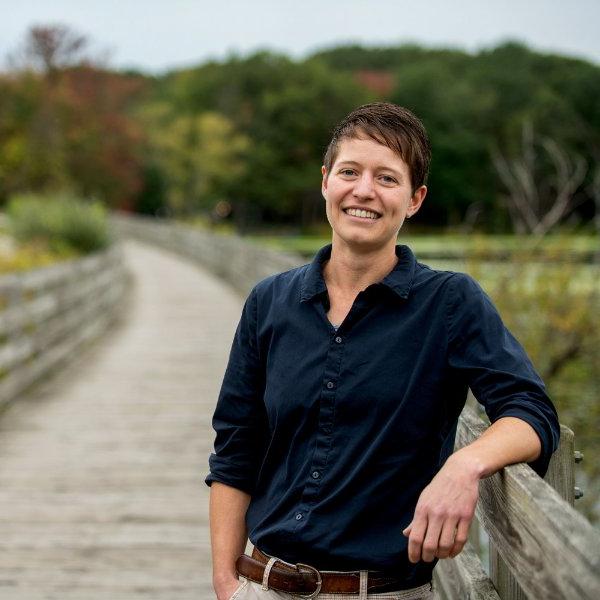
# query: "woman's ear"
[[324, 182], [416, 201]]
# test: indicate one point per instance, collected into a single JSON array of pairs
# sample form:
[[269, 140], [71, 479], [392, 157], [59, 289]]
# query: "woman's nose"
[[364, 186]]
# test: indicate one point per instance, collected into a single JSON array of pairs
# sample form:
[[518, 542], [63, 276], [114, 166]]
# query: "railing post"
[[504, 582], [561, 476], [561, 471]]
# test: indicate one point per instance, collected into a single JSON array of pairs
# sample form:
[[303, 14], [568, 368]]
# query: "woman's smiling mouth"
[[361, 213]]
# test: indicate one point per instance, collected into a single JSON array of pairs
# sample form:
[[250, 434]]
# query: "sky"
[[158, 35]]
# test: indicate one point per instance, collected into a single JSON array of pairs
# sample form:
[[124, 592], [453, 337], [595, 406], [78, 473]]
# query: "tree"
[[285, 110], [65, 122], [200, 155], [551, 303], [595, 193], [542, 182], [49, 50]]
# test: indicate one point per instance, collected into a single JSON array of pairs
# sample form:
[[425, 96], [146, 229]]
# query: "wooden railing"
[[540, 547], [47, 314], [229, 257]]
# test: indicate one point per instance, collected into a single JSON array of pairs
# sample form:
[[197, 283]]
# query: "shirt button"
[[298, 516], [338, 339], [329, 385], [316, 474]]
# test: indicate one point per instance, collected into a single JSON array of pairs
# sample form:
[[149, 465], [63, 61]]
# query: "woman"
[[337, 415]]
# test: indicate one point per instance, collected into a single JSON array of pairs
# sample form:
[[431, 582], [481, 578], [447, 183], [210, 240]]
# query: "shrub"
[[62, 222], [551, 303]]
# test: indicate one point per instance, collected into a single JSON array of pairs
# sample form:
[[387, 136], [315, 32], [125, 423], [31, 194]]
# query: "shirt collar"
[[399, 279]]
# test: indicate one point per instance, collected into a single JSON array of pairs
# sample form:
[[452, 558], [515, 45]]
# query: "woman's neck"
[[350, 273]]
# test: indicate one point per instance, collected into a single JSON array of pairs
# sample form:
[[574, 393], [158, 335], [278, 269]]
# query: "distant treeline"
[[243, 138]]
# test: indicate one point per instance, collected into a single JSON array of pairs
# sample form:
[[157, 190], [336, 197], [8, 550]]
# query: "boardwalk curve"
[[102, 467]]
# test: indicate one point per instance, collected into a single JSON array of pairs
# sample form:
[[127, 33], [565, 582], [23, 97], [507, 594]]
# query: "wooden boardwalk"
[[101, 468]]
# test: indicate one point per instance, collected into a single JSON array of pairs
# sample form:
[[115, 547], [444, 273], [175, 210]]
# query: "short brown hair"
[[391, 125]]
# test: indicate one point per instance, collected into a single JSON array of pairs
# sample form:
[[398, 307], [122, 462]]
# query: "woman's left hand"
[[444, 512]]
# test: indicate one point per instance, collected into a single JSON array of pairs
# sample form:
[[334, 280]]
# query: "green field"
[[450, 244], [485, 257]]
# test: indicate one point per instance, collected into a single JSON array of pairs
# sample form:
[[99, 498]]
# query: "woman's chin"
[[362, 242]]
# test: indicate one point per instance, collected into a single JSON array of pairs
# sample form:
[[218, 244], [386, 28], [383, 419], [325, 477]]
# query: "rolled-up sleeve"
[[239, 419], [495, 365]]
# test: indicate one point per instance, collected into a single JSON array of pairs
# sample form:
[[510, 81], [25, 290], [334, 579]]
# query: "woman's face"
[[368, 194]]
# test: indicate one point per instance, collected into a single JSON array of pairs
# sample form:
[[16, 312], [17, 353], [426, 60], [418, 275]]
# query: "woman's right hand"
[[224, 590]]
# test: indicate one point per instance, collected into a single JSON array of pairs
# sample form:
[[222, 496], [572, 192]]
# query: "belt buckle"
[[319, 581]]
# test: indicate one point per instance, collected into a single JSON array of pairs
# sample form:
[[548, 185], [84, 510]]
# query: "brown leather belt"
[[305, 580]]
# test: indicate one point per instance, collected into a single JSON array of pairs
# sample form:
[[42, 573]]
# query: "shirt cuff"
[[229, 474]]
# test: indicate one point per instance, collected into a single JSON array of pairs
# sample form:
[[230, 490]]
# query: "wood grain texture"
[[552, 551], [561, 470], [561, 476], [48, 313], [463, 578], [102, 468]]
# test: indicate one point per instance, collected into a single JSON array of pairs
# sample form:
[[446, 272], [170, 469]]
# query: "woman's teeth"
[[361, 213]]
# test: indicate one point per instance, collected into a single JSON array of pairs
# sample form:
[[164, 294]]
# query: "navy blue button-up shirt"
[[336, 433]]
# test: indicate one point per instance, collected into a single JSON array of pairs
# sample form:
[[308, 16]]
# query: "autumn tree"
[[67, 122]]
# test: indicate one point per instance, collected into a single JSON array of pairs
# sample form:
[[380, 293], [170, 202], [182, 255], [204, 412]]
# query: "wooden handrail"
[[552, 551], [47, 314]]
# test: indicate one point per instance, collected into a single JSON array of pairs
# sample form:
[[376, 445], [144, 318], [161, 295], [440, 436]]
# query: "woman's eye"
[[347, 172], [388, 179]]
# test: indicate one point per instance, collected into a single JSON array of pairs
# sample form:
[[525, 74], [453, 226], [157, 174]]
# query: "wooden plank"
[[17, 318], [503, 579], [561, 477], [561, 470], [15, 351], [231, 258], [553, 552], [10, 291], [49, 303], [463, 578], [65, 323], [18, 380], [31, 356], [31, 283], [102, 469]]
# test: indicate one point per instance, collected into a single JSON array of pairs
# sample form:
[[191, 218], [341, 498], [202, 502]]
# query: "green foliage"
[[151, 199], [252, 130], [472, 104], [454, 247], [283, 111], [354, 56], [70, 129], [198, 155], [61, 222], [437, 90], [551, 304]]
